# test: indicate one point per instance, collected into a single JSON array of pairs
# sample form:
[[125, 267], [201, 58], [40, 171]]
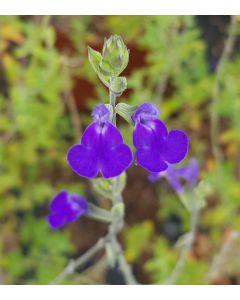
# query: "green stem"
[[117, 224], [112, 101], [74, 264]]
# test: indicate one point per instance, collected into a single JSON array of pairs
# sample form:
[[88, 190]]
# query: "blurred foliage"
[[37, 77]]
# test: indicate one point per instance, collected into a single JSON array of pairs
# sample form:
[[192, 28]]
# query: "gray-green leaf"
[[95, 59], [125, 111]]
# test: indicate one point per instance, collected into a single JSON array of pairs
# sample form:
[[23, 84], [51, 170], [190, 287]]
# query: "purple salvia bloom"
[[188, 173], [156, 148], [66, 208], [101, 148]]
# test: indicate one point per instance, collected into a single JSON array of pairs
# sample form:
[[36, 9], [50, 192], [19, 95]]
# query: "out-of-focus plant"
[[36, 130], [33, 135]]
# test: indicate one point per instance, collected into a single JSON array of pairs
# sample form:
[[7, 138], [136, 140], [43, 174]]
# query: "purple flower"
[[66, 208], [156, 148], [101, 148], [175, 177]]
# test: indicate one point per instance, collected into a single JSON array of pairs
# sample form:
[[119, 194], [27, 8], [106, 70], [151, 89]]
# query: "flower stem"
[[80, 261], [123, 265], [117, 224], [112, 101]]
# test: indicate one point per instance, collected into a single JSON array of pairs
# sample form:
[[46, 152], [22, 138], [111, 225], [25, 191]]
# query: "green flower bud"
[[116, 54]]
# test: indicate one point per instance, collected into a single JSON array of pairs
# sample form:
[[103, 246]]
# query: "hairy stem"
[[214, 117], [123, 265], [80, 261], [117, 224], [112, 101]]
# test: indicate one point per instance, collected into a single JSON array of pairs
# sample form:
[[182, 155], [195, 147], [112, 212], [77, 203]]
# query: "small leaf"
[[99, 213], [126, 111], [118, 85], [95, 59]]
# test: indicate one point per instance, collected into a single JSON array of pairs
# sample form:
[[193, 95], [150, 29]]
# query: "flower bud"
[[116, 54]]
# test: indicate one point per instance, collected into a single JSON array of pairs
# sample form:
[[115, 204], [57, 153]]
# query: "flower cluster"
[[66, 208], [175, 177], [102, 148]]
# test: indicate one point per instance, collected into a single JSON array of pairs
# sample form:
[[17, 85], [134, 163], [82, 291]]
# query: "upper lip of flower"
[[144, 113], [101, 115]]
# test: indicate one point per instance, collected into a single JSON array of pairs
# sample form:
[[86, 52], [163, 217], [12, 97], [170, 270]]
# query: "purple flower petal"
[[84, 161], [148, 135], [77, 206], [115, 161], [59, 202], [111, 136], [91, 135], [147, 154], [171, 174], [56, 221], [175, 177], [159, 129], [142, 136], [81, 203], [190, 172], [145, 112], [151, 160], [71, 215], [101, 114], [153, 177], [115, 157], [176, 146]]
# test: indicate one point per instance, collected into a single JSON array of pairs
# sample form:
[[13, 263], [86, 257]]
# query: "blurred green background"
[[47, 90]]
